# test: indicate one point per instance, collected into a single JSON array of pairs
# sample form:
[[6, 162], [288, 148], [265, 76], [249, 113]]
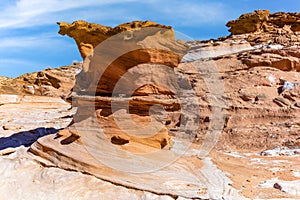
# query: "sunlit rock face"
[[136, 92], [130, 44], [89, 35], [263, 27], [135, 59], [262, 20]]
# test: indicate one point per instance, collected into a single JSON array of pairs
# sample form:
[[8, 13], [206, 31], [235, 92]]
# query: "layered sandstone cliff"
[[132, 53]]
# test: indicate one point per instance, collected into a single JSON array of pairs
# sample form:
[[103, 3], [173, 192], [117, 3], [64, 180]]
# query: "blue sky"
[[28, 31]]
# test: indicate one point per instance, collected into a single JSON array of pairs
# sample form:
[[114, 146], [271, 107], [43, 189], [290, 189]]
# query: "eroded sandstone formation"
[[89, 35], [134, 48], [252, 78], [261, 27], [262, 20], [132, 53]]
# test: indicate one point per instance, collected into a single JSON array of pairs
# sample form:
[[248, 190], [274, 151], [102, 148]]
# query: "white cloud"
[[35, 47], [26, 41], [5, 61], [26, 13]]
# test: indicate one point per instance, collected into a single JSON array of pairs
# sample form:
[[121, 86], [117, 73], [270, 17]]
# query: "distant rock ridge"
[[262, 20], [56, 82], [261, 27]]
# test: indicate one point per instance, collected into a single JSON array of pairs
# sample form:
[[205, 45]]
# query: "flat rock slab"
[[24, 113], [24, 178], [187, 177]]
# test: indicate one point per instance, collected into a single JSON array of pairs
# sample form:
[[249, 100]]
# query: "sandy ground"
[[261, 177]]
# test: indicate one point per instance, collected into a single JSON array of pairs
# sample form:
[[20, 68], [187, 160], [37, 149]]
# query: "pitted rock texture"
[[285, 59], [89, 35]]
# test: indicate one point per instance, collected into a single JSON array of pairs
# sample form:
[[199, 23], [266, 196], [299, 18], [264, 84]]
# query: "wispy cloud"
[[29, 34], [26, 13], [17, 62], [27, 41]]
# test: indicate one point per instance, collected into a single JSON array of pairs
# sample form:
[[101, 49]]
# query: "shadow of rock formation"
[[25, 138]]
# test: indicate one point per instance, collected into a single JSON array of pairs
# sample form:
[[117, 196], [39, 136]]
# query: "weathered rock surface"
[[286, 59], [260, 100], [262, 20], [89, 35], [24, 178], [261, 27], [132, 44], [137, 116], [261, 112], [56, 82], [23, 120], [152, 49]]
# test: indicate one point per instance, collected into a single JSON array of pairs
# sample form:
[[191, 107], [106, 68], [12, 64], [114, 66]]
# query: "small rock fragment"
[[277, 186]]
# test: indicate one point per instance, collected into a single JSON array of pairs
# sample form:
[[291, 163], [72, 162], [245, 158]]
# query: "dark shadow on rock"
[[280, 90], [118, 140], [69, 140], [25, 138]]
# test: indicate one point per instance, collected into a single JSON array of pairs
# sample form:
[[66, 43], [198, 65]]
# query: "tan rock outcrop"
[[250, 22], [141, 42], [262, 20], [56, 82], [150, 49], [89, 35], [283, 59], [261, 27], [259, 115]]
